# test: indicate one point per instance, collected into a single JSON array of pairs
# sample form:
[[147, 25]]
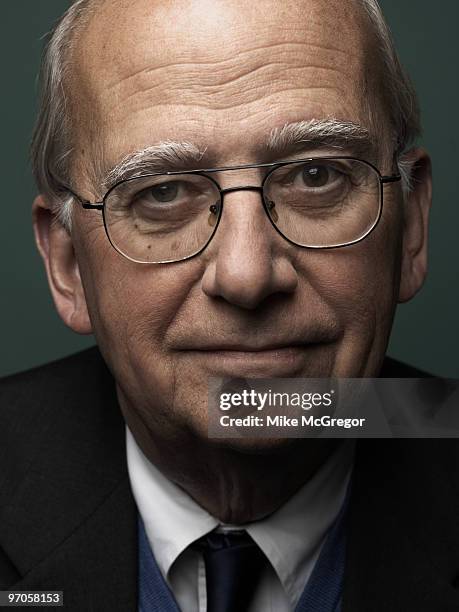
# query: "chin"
[[253, 446]]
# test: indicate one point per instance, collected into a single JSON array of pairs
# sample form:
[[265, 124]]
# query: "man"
[[219, 270]]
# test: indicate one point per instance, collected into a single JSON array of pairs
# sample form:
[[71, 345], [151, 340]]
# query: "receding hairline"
[[84, 11], [87, 9]]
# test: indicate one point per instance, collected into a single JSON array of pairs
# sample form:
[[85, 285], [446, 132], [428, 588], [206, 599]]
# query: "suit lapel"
[[402, 545], [69, 517], [97, 563]]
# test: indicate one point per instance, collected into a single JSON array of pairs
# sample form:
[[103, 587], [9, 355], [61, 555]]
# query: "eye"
[[318, 175], [165, 192], [315, 176]]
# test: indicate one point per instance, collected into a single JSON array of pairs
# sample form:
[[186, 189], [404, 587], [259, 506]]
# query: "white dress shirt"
[[291, 538]]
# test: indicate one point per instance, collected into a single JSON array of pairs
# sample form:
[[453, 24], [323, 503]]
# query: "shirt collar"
[[172, 519], [291, 537]]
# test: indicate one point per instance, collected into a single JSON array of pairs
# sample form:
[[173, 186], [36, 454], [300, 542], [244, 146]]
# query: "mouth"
[[265, 361], [251, 348]]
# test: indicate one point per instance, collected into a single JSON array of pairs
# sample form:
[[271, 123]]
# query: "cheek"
[[362, 281], [366, 274], [131, 305], [359, 284]]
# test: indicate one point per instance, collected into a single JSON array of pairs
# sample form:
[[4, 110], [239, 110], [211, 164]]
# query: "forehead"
[[213, 72]]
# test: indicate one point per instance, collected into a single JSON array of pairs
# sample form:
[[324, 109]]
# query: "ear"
[[56, 248], [416, 225]]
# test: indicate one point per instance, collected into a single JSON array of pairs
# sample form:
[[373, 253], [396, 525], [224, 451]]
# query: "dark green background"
[[426, 330]]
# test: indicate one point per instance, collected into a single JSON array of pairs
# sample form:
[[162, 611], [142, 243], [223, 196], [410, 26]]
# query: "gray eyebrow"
[[165, 156], [315, 133], [320, 133]]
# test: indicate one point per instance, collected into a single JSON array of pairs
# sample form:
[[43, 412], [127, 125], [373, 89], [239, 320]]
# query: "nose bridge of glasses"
[[241, 210], [239, 178], [256, 188]]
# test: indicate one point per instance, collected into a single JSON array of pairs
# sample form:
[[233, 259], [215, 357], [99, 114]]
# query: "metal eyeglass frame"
[[101, 206]]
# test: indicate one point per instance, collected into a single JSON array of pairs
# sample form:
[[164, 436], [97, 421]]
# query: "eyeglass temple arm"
[[84, 203], [391, 179], [95, 206]]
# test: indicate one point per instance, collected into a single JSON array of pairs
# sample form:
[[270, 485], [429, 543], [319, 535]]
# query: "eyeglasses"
[[315, 203]]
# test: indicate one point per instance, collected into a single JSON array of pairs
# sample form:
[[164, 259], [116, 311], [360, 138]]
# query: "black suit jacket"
[[68, 518]]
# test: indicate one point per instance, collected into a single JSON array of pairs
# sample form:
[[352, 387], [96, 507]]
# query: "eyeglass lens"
[[319, 203]]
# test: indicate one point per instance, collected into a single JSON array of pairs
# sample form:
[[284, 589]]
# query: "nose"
[[247, 260]]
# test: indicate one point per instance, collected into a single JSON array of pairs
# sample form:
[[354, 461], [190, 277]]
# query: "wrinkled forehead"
[[205, 63], [128, 32]]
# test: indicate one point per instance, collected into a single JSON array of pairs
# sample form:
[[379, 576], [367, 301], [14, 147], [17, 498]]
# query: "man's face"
[[222, 75]]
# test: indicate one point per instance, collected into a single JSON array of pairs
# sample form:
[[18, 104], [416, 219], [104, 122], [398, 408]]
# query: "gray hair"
[[51, 150]]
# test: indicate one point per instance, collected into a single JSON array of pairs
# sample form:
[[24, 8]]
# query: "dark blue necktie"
[[234, 564]]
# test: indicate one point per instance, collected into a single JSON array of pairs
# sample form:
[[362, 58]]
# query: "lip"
[[268, 361], [264, 345], [243, 348]]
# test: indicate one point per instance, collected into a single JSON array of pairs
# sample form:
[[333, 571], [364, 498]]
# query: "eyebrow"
[[168, 156], [320, 133], [163, 157]]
